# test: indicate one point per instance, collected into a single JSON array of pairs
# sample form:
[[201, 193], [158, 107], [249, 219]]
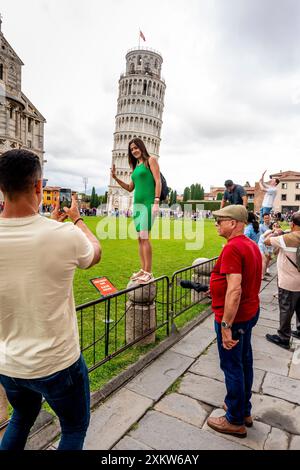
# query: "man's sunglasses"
[[218, 220]]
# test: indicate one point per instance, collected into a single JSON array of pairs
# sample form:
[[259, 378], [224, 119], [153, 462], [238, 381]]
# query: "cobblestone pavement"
[[167, 405]]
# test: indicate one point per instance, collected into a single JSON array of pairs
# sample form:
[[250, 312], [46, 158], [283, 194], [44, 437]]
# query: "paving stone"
[[208, 366], [282, 387], [276, 412], [163, 432], [182, 407], [277, 440], [209, 322], [268, 323], [261, 331], [270, 363], [268, 313], [263, 345], [256, 436], [268, 299], [155, 380], [127, 443], [294, 371], [195, 343], [114, 418], [203, 388], [258, 380], [295, 443]]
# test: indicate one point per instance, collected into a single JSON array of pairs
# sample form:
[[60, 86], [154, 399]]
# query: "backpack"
[[297, 264], [164, 188]]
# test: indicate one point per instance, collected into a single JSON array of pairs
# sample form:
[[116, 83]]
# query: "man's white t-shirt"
[[38, 324], [269, 197]]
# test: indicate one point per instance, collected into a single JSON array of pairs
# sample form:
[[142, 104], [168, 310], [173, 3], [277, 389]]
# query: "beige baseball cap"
[[235, 212]]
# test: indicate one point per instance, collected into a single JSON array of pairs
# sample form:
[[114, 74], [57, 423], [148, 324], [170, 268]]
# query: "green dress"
[[144, 193]]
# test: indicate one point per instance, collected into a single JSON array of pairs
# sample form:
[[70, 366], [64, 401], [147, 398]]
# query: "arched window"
[[1, 71], [145, 87], [131, 69]]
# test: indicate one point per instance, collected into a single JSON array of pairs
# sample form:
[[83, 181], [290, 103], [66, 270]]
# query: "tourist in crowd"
[[266, 251], [234, 288], [234, 194], [286, 246], [252, 228], [271, 191], [146, 183], [40, 351]]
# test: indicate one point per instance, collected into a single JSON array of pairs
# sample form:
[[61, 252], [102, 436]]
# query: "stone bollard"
[[141, 313], [201, 275], [3, 408]]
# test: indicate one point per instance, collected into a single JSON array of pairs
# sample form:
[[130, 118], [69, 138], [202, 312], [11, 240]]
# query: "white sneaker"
[[145, 278], [136, 275]]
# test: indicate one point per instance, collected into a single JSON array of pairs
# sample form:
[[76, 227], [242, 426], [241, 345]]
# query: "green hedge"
[[212, 205], [207, 205]]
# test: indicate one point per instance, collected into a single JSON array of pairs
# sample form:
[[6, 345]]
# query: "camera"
[[65, 198], [197, 286]]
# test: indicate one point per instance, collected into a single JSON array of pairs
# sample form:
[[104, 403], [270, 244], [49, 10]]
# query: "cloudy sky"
[[231, 67]]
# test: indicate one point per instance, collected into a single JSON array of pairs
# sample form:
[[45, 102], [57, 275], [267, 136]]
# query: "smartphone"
[[65, 198], [236, 334]]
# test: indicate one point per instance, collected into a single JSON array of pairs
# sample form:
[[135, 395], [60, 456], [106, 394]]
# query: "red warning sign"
[[103, 285]]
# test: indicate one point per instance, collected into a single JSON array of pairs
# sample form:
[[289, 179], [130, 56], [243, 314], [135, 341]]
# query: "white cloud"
[[231, 69]]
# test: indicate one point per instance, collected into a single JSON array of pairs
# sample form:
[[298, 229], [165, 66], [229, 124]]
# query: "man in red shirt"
[[234, 286]]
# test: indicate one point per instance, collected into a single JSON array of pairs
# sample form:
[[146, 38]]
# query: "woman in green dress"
[[146, 183]]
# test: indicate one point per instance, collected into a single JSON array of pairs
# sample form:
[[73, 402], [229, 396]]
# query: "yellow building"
[[50, 195]]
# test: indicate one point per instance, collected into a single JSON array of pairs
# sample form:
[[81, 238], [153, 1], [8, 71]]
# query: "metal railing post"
[[107, 323]]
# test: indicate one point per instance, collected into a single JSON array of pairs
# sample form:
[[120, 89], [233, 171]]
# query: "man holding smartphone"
[[234, 288], [39, 341]]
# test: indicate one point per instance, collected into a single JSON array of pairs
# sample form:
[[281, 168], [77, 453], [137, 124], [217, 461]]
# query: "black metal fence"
[[112, 324]]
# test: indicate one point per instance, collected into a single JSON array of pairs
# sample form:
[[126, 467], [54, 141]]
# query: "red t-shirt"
[[240, 256]]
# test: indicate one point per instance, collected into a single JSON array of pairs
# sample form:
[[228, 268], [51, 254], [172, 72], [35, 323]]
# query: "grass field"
[[119, 260]]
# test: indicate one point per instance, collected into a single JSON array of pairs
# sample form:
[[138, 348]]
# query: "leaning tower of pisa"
[[139, 114]]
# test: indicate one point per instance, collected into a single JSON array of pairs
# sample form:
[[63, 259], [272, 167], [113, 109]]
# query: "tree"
[[193, 192], [201, 193], [174, 197], [219, 196], [94, 198], [186, 194]]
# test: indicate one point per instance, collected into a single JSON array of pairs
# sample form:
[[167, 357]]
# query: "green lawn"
[[119, 260]]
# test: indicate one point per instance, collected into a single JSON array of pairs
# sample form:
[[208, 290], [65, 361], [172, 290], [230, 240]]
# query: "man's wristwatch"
[[225, 325]]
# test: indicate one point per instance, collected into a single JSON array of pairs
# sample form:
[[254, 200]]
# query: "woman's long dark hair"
[[253, 220], [145, 155]]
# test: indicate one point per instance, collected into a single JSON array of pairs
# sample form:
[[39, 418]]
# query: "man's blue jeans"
[[237, 365], [68, 394], [263, 211]]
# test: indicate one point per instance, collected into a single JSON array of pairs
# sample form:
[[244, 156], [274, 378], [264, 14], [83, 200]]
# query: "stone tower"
[[139, 114], [21, 124]]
